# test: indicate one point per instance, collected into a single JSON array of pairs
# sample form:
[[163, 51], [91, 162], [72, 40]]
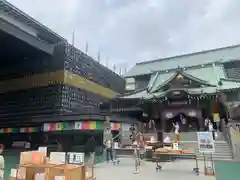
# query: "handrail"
[[227, 136], [237, 151], [234, 143]]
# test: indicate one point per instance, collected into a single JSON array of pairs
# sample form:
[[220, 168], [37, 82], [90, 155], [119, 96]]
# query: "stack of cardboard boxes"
[[35, 165]]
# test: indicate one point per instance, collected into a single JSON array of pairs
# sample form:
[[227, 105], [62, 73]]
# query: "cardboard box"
[[32, 157]]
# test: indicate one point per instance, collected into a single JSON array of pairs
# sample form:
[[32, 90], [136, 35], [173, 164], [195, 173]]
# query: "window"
[[130, 84], [130, 87], [130, 80]]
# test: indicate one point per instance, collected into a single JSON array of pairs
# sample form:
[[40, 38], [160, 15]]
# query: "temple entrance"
[[188, 118], [186, 123]]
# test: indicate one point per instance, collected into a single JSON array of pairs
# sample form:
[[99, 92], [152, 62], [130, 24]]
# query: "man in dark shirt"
[[90, 145]]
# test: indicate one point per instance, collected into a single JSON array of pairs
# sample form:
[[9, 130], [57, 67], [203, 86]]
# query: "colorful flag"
[[115, 126], [78, 125], [29, 129]]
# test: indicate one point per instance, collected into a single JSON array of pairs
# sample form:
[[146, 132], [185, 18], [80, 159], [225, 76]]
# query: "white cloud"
[[129, 31]]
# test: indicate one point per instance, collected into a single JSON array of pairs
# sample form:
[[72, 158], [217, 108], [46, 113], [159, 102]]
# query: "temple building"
[[50, 89], [192, 86]]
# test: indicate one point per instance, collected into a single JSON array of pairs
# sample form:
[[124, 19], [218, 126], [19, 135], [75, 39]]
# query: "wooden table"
[[163, 155]]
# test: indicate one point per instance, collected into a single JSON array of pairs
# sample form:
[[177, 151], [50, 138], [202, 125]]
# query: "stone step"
[[201, 157], [195, 145], [217, 154], [224, 152], [217, 158], [221, 146]]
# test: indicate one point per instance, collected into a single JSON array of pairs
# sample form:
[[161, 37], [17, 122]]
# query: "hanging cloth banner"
[[216, 117]]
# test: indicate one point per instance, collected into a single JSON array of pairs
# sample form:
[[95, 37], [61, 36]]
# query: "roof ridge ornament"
[[179, 69], [220, 82]]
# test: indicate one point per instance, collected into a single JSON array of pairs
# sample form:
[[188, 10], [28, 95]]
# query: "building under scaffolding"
[[48, 87]]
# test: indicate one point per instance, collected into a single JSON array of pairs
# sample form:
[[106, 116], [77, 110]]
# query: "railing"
[[227, 136], [236, 151], [233, 139]]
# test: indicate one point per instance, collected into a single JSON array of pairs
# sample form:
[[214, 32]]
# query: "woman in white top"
[[176, 132], [211, 129], [183, 122], [206, 122]]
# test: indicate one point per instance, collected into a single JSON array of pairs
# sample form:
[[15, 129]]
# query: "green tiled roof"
[[138, 95], [222, 54], [207, 75], [152, 80], [210, 74], [161, 78], [226, 85]]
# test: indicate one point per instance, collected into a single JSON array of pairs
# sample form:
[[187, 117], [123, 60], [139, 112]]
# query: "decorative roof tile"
[[226, 85], [138, 95], [161, 79]]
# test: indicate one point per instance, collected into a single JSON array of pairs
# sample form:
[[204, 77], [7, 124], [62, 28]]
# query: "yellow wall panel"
[[37, 80], [83, 83], [45, 79]]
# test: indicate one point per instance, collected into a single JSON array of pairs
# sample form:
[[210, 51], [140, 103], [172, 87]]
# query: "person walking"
[[176, 132], [184, 122], [206, 124], [109, 146], [90, 147], [140, 145], [211, 129]]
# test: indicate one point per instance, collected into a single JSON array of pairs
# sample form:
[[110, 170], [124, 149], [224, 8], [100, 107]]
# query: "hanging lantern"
[[192, 114], [169, 115], [216, 107]]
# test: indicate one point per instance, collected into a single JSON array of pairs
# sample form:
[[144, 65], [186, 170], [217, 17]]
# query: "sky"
[[130, 31]]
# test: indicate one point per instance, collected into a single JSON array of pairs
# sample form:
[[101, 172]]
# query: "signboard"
[[115, 126], [205, 142], [75, 158], [88, 125], [57, 158], [20, 130], [43, 149], [60, 126], [9, 130]]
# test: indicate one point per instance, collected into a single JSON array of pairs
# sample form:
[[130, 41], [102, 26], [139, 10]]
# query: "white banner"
[[57, 158], [78, 125], [75, 158], [205, 142]]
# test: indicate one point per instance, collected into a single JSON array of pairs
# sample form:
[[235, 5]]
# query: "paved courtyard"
[[180, 170]]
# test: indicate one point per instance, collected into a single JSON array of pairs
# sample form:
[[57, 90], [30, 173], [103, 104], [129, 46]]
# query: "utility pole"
[[86, 47], [98, 57], [73, 37]]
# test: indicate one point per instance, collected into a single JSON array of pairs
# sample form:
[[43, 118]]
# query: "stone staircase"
[[188, 140], [222, 148], [192, 136]]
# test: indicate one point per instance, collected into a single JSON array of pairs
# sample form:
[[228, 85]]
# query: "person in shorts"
[[109, 146]]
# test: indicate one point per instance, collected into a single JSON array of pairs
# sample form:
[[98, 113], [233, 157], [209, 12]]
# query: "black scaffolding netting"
[[32, 82]]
